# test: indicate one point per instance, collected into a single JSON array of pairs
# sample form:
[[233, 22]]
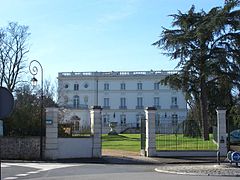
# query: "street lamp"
[[34, 81], [33, 68]]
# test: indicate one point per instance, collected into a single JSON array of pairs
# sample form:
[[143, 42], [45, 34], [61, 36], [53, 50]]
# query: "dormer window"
[[106, 86], [123, 86], [76, 87], [139, 86], [156, 86]]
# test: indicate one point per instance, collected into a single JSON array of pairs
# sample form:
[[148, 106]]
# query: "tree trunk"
[[198, 112], [204, 112]]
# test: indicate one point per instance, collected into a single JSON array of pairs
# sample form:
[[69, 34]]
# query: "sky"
[[96, 35]]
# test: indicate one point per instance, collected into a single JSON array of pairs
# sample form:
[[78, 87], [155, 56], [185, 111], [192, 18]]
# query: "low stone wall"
[[75, 147], [27, 148]]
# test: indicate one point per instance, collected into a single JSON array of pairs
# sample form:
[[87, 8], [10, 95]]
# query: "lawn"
[[127, 142], [131, 142]]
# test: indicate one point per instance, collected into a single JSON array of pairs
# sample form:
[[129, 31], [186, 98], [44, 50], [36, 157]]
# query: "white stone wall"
[[51, 144], [60, 148], [150, 132], [222, 135], [96, 131], [75, 147]]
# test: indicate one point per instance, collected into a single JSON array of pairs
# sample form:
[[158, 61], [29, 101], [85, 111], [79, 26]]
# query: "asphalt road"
[[85, 171]]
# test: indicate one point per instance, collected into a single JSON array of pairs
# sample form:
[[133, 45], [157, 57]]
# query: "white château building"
[[123, 95]]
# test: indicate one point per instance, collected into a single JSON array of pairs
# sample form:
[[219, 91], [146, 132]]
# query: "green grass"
[[127, 142], [131, 142]]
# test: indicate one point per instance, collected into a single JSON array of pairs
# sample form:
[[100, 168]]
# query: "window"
[[157, 119], [66, 86], [85, 99], [165, 115], [139, 102], [156, 101], [139, 86], [138, 119], [174, 119], [106, 102], [106, 86], [65, 99], [123, 86], [174, 100], [174, 104], [76, 125], [76, 101], [156, 86], [106, 119], [123, 103], [76, 87], [123, 119]]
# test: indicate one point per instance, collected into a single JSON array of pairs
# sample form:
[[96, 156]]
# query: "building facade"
[[123, 95]]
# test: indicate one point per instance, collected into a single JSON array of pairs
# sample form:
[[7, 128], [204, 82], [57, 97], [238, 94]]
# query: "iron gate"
[[182, 135], [233, 129], [143, 134]]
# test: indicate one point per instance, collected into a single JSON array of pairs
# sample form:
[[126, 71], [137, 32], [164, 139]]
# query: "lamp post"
[[33, 68]]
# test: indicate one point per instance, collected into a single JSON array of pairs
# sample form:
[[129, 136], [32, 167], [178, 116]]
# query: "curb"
[[229, 174], [177, 173]]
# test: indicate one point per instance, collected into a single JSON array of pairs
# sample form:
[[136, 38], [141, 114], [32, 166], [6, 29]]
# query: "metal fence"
[[184, 135], [233, 130], [70, 130], [129, 128], [143, 133]]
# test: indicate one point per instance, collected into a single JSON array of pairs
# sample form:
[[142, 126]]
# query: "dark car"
[[235, 136]]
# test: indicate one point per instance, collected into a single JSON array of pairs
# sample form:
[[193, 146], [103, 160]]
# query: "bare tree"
[[13, 51], [49, 89]]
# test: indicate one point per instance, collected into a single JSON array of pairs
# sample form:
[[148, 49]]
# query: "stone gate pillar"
[[96, 130], [51, 144], [221, 131], [150, 113]]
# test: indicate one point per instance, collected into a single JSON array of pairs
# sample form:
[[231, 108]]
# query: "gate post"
[[96, 130], [221, 128], [150, 131], [51, 144], [143, 136]]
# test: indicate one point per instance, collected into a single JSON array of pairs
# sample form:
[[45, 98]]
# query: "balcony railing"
[[118, 73], [139, 107], [157, 106], [106, 107], [80, 106], [174, 106], [122, 107]]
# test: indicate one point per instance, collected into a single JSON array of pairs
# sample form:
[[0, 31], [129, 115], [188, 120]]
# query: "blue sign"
[[236, 156]]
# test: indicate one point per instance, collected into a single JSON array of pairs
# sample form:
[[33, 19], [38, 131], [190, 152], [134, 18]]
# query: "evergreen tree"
[[207, 47]]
